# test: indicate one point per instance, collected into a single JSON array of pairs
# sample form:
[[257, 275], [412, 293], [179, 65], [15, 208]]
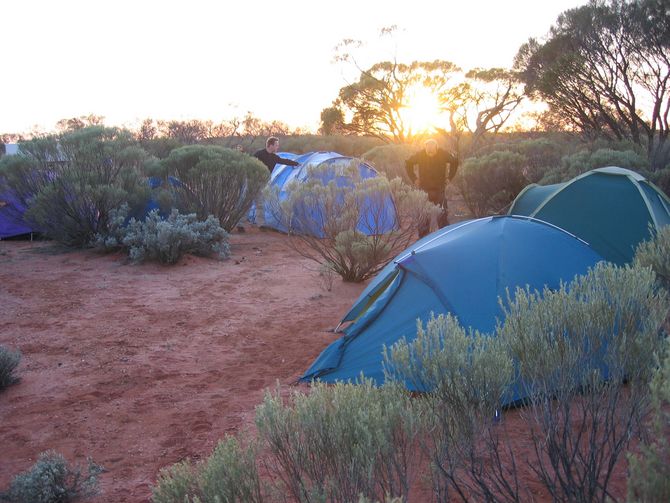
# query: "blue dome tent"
[[462, 269], [333, 165]]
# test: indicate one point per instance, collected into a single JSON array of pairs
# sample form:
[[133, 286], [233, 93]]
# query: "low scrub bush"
[[574, 348], [585, 160], [649, 474], [215, 181], [70, 182], [165, 240], [655, 253], [466, 376], [490, 183], [52, 480], [660, 178], [9, 360], [390, 160], [341, 442], [229, 475], [350, 224]]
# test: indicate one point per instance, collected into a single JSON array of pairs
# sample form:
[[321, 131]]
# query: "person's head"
[[431, 147], [272, 144]]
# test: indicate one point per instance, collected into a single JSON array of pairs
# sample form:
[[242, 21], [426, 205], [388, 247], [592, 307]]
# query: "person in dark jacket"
[[269, 157], [430, 169]]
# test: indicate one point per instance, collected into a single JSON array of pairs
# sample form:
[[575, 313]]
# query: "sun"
[[422, 112]]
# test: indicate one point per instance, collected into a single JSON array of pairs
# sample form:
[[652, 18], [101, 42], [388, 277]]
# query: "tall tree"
[[482, 103], [374, 104], [605, 70]]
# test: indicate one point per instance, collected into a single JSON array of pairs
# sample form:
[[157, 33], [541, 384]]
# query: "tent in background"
[[609, 208], [462, 269], [283, 177], [11, 221]]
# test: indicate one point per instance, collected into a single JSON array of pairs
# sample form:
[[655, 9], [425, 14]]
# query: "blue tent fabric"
[[11, 221], [283, 177], [462, 269]]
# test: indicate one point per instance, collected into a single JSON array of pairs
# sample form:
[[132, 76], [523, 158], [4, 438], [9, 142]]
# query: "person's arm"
[[409, 167], [287, 162]]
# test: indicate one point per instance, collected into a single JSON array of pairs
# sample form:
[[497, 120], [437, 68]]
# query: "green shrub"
[[52, 480], [655, 253], [541, 156], [229, 475], [176, 484], [353, 146], [9, 360], [215, 181], [342, 441], [72, 181], [573, 349], [585, 160], [167, 240], [324, 219], [490, 183], [649, 475], [466, 376], [660, 178], [390, 160]]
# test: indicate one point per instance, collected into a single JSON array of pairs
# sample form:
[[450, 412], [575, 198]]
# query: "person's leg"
[[424, 227], [443, 218]]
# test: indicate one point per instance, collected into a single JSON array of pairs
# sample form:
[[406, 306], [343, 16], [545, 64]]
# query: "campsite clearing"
[[142, 366]]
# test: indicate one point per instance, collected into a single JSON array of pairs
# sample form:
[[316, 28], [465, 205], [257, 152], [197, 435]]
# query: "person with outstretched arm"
[[269, 157]]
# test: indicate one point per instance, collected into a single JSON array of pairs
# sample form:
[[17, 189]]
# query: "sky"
[[128, 60]]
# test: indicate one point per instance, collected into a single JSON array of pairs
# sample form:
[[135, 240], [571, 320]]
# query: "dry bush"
[[215, 181], [350, 224]]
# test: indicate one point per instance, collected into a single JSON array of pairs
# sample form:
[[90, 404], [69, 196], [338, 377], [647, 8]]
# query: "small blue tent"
[[461, 269], [284, 177], [611, 208], [11, 217]]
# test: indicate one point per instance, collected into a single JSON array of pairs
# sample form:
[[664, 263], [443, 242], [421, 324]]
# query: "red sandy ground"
[[142, 366]]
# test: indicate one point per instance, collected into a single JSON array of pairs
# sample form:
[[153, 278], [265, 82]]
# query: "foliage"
[[584, 160], [215, 181], [390, 160], [9, 360], [481, 104], [660, 178], [655, 253], [229, 475], [353, 146], [351, 224], [490, 183], [649, 476], [70, 182], [541, 156], [375, 103], [573, 349], [165, 240], [342, 441], [599, 65], [466, 376], [52, 480]]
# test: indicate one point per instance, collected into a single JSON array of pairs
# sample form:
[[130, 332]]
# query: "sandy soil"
[[142, 366], [139, 367]]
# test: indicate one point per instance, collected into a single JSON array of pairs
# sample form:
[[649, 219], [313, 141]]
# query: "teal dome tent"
[[462, 269], [612, 209]]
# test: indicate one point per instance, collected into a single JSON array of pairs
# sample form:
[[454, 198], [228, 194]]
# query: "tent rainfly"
[[611, 208]]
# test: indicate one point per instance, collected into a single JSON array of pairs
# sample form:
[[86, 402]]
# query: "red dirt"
[[142, 366]]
